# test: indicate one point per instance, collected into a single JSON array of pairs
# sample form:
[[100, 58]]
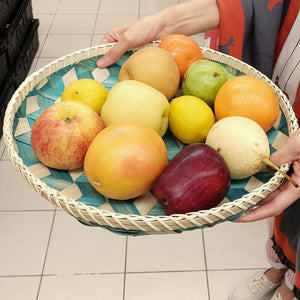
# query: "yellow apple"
[[62, 133], [134, 100]]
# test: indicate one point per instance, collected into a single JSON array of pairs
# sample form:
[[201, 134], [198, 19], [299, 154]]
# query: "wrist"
[[189, 17]]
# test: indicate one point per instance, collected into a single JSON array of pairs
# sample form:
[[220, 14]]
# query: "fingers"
[[289, 152], [113, 55], [275, 203]]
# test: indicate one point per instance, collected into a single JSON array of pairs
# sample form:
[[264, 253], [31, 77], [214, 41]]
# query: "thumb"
[[289, 152], [282, 156]]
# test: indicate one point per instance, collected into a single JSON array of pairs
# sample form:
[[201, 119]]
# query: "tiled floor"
[[47, 254]]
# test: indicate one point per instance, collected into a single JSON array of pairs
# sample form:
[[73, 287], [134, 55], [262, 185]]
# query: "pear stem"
[[267, 162]]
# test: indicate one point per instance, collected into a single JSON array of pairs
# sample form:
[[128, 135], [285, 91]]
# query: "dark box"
[[15, 31], [7, 10], [6, 91], [27, 53]]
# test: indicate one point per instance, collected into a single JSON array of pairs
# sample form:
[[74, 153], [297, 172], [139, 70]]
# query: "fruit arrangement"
[[117, 135]]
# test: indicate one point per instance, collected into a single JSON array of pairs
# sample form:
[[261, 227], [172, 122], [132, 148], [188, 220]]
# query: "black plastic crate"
[[3, 66], [6, 92], [7, 10], [16, 31], [27, 53]]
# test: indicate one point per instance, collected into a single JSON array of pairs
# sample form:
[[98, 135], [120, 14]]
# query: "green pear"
[[203, 79]]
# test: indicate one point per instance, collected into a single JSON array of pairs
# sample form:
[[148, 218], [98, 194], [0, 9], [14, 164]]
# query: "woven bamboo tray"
[[71, 192]]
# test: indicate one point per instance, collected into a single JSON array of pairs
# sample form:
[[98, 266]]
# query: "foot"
[[283, 293], [258, 285]]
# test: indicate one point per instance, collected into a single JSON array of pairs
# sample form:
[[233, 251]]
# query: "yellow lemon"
[[190, 119], [88, 91]]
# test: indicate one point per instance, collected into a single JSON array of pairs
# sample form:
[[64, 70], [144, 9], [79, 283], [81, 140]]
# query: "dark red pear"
[[197, 178]]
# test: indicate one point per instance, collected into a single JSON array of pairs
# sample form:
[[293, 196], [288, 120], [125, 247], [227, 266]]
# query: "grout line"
[[95, 22], [131, 273], [139, 10], [26, 210], [205, 261], [47, 248], [125, 268]]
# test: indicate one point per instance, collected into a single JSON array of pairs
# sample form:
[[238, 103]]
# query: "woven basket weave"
[[139, 216]]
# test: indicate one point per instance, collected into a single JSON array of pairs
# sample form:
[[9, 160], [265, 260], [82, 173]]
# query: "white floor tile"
[[23, 239], [80, 7], [119, 7], [79, 287], [57, 45], [5, 155], [74, 24], [150, 7], [236, 245], [33, 65], [16, 288], [106, 22], [77, 248], [96, 40], [45, 7], [45, 22], [42, 38], [2, 146], [175, 252], [43, 61], [19, 195], [162, 286]]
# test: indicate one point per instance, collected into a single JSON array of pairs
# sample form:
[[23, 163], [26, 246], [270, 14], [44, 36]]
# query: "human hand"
[[129, 36], [188, 18], [286, 193]]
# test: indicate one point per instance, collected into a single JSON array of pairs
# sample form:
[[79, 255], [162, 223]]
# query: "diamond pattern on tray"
[[74, 183]]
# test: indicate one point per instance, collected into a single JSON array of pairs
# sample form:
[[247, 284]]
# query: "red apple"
[[197, 178], [62, 133]]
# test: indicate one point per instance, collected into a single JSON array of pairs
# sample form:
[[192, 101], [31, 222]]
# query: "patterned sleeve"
[[249, 29]]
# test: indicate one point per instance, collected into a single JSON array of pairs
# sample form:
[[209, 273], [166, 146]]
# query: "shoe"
[[277, 296], [253, 288]]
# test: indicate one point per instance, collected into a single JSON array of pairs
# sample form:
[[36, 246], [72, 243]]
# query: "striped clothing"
[[265, 34]]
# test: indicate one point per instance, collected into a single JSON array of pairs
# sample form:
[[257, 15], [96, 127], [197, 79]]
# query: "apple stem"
[[273, 166]]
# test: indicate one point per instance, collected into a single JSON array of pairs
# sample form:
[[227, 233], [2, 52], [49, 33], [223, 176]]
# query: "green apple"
[[134, 100], [203, 79]]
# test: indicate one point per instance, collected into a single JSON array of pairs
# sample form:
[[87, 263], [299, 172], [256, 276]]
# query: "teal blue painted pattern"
[[51, 91]]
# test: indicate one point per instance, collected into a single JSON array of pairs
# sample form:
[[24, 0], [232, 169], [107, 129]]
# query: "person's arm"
[[187, 18], [286, 194]]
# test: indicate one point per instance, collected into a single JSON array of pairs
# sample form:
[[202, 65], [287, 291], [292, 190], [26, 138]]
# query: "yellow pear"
[[134, 100], [243, 144]]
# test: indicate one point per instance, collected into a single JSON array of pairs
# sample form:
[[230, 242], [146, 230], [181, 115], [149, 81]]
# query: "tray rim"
[[149, 224]]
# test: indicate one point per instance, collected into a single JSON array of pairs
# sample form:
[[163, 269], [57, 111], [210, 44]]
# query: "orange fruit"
[[183, 49], [124, 161], [248, 97]]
